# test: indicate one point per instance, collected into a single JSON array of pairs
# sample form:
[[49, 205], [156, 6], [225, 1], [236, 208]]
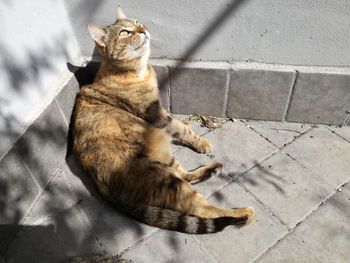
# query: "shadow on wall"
[[23, 83]]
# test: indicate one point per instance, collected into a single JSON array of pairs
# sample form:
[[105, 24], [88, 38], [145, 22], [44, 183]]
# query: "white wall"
[[294, 32], [36, 42]]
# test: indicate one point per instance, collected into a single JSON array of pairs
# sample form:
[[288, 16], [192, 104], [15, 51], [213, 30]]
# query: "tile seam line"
[[226, 93], [30, 209], [169, 90], [290, 231], [235, 179], [31, 206], [312, 173], [81, 212], [53, 176], [290, 96], [260, 203], [346, 121], [338, 135], [224, 64], [284, 145], [61, 112], [204, 250], [143, 239]]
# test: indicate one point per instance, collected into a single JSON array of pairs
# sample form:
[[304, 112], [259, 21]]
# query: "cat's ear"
[[120, 14], [97, 34]]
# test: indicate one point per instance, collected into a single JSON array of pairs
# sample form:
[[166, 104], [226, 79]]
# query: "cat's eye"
[[124, 33]]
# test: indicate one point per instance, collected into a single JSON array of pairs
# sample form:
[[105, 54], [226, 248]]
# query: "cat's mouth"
[[145, 42]]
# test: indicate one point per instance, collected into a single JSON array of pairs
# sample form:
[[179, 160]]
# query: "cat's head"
[[125, 42]]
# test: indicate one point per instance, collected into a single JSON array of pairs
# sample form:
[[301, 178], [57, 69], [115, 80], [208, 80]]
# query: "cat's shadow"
[[84, 75]]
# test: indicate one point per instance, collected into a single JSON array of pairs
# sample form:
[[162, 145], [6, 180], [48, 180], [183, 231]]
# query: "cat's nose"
[[142, 30]]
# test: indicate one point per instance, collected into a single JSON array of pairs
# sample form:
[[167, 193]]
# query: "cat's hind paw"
[[204, 146]]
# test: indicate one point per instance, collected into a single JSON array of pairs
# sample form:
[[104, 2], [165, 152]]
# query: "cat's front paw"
[[204, 146]]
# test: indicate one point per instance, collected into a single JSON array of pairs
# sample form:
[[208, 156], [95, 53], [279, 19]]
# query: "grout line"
[[26, 167], [251, 64], [7, 150], [284, 145], [61, 112], [143, 239], [262, 205], [227, 89], [235, 178], [204, 250], [290, 231], [169, 91], [41, 191], [347, 119], [294, 159], [290, 95], [53, 176], [338, 135], [308, 171]]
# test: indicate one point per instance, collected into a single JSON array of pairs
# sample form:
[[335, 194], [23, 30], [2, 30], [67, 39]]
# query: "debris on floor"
[[211, 122]]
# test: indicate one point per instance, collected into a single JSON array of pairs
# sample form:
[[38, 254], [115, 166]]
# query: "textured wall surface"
[[36, 43], [294, 32]]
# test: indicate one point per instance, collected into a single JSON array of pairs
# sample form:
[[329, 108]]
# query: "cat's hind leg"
[[176, 194], [184, 133], [199, 174]]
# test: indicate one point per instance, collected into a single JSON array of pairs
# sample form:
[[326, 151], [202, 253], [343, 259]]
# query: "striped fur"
[[122, 138], [176, 221]]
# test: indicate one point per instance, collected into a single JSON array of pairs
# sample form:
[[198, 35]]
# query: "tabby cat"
[[122, 138]]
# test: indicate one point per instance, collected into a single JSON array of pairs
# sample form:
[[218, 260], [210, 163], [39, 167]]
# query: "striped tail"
[[176, 221]]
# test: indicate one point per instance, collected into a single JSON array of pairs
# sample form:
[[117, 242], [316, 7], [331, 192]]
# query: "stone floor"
[[294, 176]]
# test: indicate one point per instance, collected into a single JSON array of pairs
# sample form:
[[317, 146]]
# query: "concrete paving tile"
[[57, 196], [282, 185], [79, 181], [43, 146], [289, 250], [324, 154], [5, 145], [244, 244], [66, 97], [191, 160], [345, 189], [17, 192], [279, 133], [313, 102], [10, 131], [327, 230], [167, 246], [63, 236], [343, 132], [259, 94], [197, 90], [116, 231], [163, 85], [238, 148]]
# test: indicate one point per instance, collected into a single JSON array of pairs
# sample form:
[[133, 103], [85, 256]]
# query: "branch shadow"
[[264, 174]]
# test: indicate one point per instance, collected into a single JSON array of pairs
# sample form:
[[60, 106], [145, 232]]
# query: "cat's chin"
[[145, 45]]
